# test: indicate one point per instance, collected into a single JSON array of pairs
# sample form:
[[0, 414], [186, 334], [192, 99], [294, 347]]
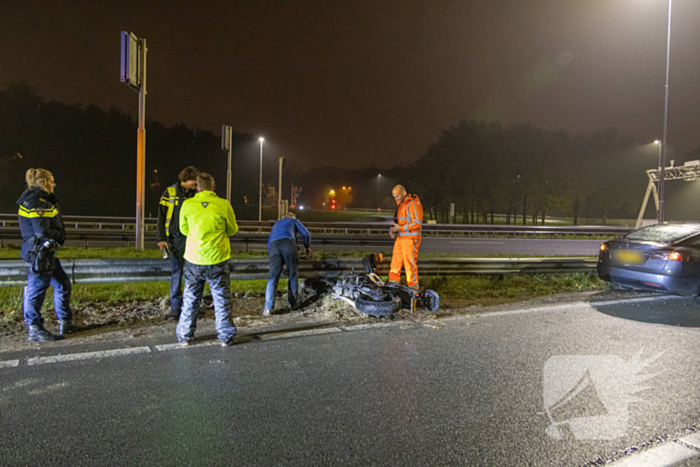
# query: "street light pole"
[[262, 140], [378, 177], [659, 163], [662, 176]]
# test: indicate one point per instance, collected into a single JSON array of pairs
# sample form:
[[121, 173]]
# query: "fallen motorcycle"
[[368, 294]]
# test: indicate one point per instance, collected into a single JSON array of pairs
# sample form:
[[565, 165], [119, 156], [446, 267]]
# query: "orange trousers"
[[406, 256]]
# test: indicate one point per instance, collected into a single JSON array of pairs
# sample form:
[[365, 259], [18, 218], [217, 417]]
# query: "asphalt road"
[[469, 391]]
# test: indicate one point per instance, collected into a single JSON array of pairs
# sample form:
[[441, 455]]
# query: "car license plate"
[[628, 257]]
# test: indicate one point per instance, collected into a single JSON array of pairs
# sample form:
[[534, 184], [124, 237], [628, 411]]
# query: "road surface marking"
[[9, 363], [561, 307], [666, 454], [87, 355], [300, 333], [178, 346], [636, 300], [369, 326]]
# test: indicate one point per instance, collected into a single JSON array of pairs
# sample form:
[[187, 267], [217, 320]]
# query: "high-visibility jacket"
[[169, 206], [208, 221], [39, 219], [409, 217]]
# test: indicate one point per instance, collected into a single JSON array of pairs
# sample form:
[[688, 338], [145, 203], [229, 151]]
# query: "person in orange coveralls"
[[407, 226]]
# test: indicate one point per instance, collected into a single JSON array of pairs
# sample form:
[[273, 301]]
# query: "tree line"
[[521, 172]]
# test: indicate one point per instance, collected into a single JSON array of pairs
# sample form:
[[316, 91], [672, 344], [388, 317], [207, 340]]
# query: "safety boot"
[[37, 333], [66, 326], [174, 315]]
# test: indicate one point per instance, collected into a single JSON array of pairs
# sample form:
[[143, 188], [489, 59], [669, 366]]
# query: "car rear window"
[[663, 233]]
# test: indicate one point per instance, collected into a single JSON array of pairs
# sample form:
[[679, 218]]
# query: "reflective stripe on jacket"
[[39, 219], [169, 211], [171, 202], [409, 217], [208, 221]]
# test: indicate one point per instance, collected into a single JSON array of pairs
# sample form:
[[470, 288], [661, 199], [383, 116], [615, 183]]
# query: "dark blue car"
[[659, 258]]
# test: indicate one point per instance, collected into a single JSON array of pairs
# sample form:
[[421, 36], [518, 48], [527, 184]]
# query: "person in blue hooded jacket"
[[41, 224], [282, 249]]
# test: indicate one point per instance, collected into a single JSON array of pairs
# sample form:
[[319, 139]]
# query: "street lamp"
[[262, 140], [662, 175]]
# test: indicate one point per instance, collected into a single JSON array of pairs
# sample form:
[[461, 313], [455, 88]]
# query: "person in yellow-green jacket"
[[208, 221]]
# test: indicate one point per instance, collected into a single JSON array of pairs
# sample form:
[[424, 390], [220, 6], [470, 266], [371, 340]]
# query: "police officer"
[[41, 225], [208, 221], [170, 236]]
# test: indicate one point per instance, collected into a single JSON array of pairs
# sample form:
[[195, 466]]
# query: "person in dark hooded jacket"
[[41, 226]]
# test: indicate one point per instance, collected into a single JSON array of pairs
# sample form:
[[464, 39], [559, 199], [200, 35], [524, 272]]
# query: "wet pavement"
[[471, 390]]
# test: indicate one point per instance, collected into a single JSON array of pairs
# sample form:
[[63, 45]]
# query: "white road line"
[[309, 332], [568, 306], [369, 326], [9, 364], [178, 346], [693, 440], [636, 300], [661, 456], [87, 355]]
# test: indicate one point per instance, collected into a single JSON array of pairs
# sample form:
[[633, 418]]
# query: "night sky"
[[350, 83]]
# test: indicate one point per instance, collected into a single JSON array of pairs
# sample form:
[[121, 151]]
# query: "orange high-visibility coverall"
[[409, 217]]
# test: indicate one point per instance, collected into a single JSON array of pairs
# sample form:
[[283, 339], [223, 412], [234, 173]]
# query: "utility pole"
[[226, 137], [133, 73], [279, 191], [662, 176], [262, 140]]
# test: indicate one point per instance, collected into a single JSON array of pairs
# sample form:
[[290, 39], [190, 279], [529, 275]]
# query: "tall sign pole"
[[226, 137], [133, 73]]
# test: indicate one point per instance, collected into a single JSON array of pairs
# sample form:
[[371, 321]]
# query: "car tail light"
[[667, 256], [675, 256]]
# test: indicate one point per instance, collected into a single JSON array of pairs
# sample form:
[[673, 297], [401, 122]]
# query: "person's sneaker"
[[37, 333], [267, 312], [174, 315]]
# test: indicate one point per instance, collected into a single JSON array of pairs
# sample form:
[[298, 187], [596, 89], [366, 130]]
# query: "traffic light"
[[283, 162]]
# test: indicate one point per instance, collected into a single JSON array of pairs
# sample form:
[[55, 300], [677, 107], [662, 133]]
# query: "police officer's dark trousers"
[[177, 266], [35, 293], [283, 252], [217, 276]]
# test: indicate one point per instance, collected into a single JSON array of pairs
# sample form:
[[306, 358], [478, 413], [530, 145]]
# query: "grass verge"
[[452, 287]]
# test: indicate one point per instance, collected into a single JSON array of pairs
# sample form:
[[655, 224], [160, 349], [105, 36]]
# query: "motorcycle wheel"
[[386, 307], [430, 300]]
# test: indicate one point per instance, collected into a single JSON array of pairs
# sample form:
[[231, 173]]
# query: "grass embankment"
[[453, 287]]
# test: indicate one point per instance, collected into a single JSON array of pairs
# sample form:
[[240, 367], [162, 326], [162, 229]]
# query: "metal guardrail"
[[99, 225], [88, 271]]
